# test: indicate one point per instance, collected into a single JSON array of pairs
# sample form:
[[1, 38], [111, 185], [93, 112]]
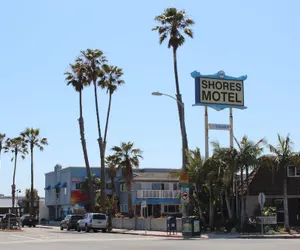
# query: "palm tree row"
[[213, 178], [28, 140], [92, 68]]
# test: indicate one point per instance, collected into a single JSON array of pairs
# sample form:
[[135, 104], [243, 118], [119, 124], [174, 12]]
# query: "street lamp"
[[183, 167]]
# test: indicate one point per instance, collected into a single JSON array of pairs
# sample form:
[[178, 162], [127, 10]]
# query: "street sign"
[[267, 220], [144, 204], [185, 197], [184, 178], [184, 185], [261, 199], [214, 126]]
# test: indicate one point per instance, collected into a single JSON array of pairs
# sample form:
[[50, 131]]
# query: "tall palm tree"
[[16, 146], [77, 78], [173, 24], [2, 140], [283, 157], [32, 138], [248, 153], [94, 59], [127, 157], [111, 163]]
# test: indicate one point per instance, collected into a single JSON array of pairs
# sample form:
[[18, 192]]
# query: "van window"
[[99, 217]]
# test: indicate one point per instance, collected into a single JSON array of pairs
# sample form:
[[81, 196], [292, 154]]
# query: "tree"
[[248, 153], [227, 159], [127, 157], [2, 140], [16, 146], [77, 78], [26, 202], [283, 157], [107, 77], [173, 24], [32, 138]]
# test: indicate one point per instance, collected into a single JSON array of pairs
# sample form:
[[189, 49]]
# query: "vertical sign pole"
[[206, 132], [262, 221], [231, 127]]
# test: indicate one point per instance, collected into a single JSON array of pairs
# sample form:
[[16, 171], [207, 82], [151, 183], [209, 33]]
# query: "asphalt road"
[[47, 239]]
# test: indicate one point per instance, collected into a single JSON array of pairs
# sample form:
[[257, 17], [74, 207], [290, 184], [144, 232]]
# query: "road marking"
[[24, 237]]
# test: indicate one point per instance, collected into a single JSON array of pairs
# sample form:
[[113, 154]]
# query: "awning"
[[64, 185], [56, 186], [158, 201], [47, 188]]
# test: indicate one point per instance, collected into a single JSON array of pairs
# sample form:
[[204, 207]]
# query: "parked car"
[[28, 220], [93, 221], [9, 220], [70, 222]]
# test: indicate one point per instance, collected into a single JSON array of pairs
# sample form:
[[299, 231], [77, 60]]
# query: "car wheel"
[[68, 228], [61, 228], [29, 225], [95, 230], [22, 225], [87, 229], [33, 225], [104, 230], [78, 228]]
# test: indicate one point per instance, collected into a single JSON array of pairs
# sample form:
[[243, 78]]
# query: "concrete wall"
[[140, 224], [43, 210]]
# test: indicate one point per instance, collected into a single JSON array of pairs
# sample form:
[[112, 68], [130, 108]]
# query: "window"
[[124, 208], [123, 187], [293, 172], [171, 209], [99, 217], [175, 186], [78, 186]]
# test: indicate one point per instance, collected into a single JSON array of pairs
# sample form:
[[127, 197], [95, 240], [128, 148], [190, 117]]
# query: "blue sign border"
[[220, 75]]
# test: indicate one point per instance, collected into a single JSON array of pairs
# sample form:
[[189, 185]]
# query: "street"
[[45, 239]]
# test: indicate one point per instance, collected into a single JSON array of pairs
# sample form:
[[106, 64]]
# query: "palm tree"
[[228, 168], [111, 162], [2, 139], [32, 138], [248, 153], [93, 60], [77, 78], [173, 24], [283, 158], [15, 146], [127, 157]]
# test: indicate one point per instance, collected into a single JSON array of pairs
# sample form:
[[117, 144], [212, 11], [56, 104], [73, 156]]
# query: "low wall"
[[151, 224]]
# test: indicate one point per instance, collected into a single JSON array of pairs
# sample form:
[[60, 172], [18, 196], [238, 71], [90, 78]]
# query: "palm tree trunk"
[[101, 149], [85, 155], [285, 204], [32, 180], [227, 200], [247, 191], [180, 107], [129, 191], [211, 209], [13, 187]]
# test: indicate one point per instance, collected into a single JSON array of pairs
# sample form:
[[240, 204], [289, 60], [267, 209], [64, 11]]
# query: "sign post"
[[261, 201]]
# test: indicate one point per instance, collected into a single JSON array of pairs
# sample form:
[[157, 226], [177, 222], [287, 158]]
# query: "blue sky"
[[40, 38]]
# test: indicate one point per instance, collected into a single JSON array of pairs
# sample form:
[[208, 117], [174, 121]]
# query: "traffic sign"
[[261, 199], [185, 197], [144, 204], [184, 178]]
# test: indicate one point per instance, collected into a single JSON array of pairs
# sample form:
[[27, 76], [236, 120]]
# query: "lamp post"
[[183, 167]]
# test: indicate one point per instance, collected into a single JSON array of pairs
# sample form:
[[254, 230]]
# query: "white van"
[[93, 221]]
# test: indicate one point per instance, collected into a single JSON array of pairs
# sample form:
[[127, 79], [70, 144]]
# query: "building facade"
[[158, 187]]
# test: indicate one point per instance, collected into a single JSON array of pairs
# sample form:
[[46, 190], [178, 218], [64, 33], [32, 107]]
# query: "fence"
[[151, 224]]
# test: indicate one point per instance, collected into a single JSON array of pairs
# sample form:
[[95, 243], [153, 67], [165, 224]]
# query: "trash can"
[[171, 225], [191, 227]]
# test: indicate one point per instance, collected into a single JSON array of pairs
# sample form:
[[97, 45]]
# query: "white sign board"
[[185, 197], [261, 199], [220, 91], [267, 220], [144, 204], [214, 126]]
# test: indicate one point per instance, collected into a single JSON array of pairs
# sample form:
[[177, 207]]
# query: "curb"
[[269, 237], [157, 235], [44, 227]]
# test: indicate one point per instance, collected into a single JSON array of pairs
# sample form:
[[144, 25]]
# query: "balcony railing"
[[161, 194]]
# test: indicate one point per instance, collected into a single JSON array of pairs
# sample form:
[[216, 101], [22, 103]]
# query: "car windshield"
[[99, 216], [76, 218]]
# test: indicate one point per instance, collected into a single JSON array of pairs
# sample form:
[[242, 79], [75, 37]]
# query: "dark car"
[[70, 222], [28, 220]]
